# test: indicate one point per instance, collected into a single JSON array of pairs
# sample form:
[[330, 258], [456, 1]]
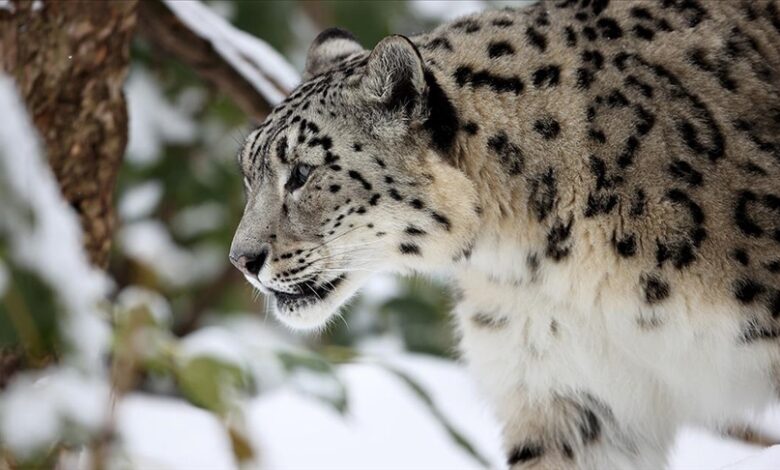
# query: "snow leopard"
[[600, 182]]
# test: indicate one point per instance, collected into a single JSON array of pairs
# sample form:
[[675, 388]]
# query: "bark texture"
[[70, 60]]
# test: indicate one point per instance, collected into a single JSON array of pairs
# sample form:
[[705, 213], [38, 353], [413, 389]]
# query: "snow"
[[3, 278], [318, 384], [448, 10], [296, 431], [224, 8], [445, 10], [384, 418], [380, 288], [450, 387], [154, 120], [54, 234], [38, 408], [165, 433], [7, 5], [195, 220], [41, 228], [386, 424], [135, 297], [259, 344], [253, 58], [150, 243], [214, 342], [700, 449], [140, 200], [293, 428], [767, 460]]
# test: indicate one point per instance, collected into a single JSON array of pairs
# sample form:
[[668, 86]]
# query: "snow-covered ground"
[[386, 427]]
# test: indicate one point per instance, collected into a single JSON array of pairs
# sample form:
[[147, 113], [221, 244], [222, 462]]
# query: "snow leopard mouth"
[[307, 292]]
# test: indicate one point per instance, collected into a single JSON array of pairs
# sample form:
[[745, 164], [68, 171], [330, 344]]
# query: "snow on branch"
[[253, 58], [246, 68]]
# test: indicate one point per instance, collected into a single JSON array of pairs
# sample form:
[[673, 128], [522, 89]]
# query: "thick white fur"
[[689, 370]]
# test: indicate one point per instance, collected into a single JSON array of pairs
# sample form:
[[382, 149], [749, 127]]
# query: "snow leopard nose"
[[249, 262]]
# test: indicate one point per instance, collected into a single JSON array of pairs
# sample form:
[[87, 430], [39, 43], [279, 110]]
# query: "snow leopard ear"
[[395, 76], [329, 48]]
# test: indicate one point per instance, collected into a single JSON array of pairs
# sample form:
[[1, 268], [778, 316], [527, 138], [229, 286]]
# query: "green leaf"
[[28, 315], [292, 361], [422, 318], [314, 376], [210, 383]]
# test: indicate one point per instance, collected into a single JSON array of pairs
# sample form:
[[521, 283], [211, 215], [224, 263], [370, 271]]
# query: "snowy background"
[[169, 360]]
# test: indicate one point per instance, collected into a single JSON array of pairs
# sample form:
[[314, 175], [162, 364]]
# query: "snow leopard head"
[[352, 174]]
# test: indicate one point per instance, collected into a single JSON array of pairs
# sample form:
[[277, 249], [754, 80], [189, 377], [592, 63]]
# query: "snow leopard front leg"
[[573, 430], [563, 401]]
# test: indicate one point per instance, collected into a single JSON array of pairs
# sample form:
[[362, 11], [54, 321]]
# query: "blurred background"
[[184, 365], [167, 358]]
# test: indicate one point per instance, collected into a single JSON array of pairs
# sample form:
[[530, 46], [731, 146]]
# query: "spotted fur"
[[600, 178]]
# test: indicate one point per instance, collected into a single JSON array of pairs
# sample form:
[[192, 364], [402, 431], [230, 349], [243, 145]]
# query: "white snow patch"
[[318, 384], [446, 10], [380, 288], [253, 58], [154, 121], [384, 418], [260, 344], [39, 407], [214, 342], [158, 432], [195, 220], [7, 5], [381, 345], [134, 297], [150, 243], [141, 200], [294, 430], [191, 100], [3, 278], [450, 387], [54, 233], [700, 449], [768, 459], [225, 9]]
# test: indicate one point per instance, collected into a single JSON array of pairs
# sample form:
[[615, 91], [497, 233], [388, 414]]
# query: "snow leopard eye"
[[298, 176]]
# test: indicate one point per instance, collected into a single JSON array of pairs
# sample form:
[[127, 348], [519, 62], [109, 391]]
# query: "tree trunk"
[[70, 60]]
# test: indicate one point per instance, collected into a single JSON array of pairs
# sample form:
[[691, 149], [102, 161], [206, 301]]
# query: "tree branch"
[[160, 26]]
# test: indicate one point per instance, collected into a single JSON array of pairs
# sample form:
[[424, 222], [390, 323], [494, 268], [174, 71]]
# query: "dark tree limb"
[[70, 60], [163, 29]]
